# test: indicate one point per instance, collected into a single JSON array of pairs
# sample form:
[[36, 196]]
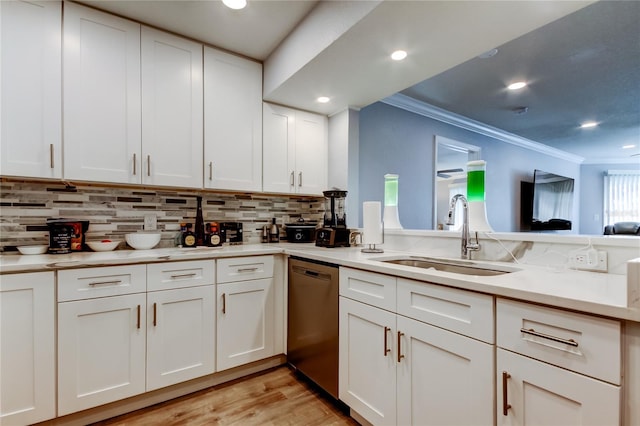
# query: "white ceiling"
[[340, 48]]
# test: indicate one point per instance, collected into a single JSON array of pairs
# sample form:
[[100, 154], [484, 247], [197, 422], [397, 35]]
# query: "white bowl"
[[105, 245], [37, 249], [143, 240]]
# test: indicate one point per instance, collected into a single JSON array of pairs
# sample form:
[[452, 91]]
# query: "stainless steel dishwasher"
[[312, 338]]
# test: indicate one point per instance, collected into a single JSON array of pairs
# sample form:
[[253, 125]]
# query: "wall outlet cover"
[[150, 222]]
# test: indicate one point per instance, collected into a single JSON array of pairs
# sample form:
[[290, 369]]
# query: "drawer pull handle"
[[255, 268], [114, 282], [386, 343], [192, 274], [51, 155], [400, 356], [148, 165], [224, 303], [138, 316], [155, 314], [532, 332], [300, 179], [134, 163], [505, 401], [210, 170], [292, 179]]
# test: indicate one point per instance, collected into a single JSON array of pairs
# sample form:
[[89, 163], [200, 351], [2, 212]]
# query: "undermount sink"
[[447, 265]]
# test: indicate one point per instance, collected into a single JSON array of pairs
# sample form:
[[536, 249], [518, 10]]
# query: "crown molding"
[[422, 108]]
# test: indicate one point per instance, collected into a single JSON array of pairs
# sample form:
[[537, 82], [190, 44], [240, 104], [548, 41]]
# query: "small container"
[[189, 237], [214, 238], [265, 233], [274, 232]]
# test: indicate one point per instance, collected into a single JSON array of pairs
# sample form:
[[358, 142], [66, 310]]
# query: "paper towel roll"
[[371, 222]]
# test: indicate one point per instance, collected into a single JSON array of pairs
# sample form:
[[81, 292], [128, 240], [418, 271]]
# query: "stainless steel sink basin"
[[456, 267]]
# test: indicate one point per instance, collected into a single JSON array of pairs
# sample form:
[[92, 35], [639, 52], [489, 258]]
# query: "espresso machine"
[[334, 232]]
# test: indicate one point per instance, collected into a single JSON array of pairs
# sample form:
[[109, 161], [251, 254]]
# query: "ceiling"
[[583, 67], [340, 49]]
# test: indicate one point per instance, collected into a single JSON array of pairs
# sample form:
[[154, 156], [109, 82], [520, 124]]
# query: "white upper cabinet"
[[232, 122], [172, 118], [30, 121], [101, 96], [295, 151]]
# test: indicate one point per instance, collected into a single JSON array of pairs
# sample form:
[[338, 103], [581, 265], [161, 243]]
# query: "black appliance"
[[334, 232], [231, 232], [301, 231]]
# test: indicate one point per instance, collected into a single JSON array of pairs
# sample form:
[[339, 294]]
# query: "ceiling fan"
[[445, 174]]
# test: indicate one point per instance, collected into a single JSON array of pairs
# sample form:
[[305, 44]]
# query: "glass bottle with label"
[[189, 237], [213, 238]]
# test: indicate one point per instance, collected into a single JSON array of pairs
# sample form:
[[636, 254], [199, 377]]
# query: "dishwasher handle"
[[311, 273]]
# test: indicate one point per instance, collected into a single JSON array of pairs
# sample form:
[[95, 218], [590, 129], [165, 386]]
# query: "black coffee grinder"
[[334, 232]]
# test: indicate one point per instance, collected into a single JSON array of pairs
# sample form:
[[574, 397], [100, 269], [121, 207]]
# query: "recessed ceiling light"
[[517, 85], [398, 55], [628, 146], [588, 124], [235, 4], [323, 99]]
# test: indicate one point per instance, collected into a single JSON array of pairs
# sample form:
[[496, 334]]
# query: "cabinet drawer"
[[368, 287], [77, 284], [460, 311], [170, 275], [582, 343], [244, 268]]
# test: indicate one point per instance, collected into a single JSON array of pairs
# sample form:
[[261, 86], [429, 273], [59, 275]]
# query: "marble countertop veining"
[[591, 292]]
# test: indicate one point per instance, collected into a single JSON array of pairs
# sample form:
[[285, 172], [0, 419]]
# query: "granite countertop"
[[591, 292]]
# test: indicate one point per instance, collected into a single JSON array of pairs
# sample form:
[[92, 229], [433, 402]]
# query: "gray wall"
[[393, 140]]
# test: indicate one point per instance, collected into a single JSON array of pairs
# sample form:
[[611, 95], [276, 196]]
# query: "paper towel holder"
[[372, 246]]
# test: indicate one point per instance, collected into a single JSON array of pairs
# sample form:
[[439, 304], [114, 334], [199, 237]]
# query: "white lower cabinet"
[[398, 370], [443, 378], [27, 363], [180, 335], [116, 340], [367, 367], [556, 367], [101, 351], [531, 392], [245, 317]]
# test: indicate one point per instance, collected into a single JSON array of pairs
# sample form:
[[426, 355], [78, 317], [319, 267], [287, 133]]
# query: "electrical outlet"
[[589, 260], [150, 222]]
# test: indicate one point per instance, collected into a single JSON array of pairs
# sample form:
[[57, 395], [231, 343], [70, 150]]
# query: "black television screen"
[[552, 204]]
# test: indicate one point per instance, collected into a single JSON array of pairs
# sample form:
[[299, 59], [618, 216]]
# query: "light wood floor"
[[275, 397]]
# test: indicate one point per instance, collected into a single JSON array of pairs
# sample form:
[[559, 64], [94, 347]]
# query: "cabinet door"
[[171, 110], [245, 322], [180, 335], [541, 394], [367, 364], [443, 377], [311, 153], [31, 112], [101, 351], [101, 96], [232, 122], [27, 364], [278, 139]]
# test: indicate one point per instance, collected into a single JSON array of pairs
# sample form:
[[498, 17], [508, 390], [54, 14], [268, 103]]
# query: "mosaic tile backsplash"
[[114, 211]]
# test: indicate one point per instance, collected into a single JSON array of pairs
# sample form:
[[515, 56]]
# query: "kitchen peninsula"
[[575, 296]]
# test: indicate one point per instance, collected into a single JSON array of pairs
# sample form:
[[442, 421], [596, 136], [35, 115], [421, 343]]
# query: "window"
[[621, 196]]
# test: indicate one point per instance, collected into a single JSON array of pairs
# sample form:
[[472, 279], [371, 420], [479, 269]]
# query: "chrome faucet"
[[466, 245]]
